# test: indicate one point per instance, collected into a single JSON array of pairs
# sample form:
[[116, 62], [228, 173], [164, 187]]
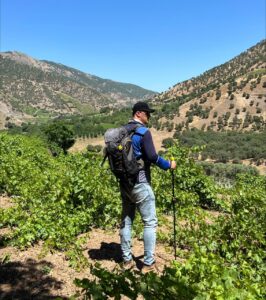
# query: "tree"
[[168, 142], [190, 119], [218, 94], [222, 157], [61, 135]]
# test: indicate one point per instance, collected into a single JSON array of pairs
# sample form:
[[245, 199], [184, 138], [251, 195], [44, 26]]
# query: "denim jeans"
[[142, 198]]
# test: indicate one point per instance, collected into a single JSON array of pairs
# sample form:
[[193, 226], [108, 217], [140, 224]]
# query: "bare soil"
[[30, 274], [261, 168]]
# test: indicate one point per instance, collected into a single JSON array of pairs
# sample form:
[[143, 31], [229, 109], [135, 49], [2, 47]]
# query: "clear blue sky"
[[151, 43]]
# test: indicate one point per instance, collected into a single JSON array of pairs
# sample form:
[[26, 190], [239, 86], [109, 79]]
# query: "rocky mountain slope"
[[229, 96], [31, 87]]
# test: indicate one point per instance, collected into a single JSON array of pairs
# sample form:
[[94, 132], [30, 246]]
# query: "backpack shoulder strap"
[[140, 130], [136, 128]]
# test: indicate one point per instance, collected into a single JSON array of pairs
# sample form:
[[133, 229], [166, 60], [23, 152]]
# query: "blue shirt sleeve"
[[150, 152], [162, 163]]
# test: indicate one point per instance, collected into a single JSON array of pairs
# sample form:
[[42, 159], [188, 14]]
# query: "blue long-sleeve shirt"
[[144, 149]]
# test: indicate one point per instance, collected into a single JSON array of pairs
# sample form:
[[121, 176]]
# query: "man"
[[141, 195]]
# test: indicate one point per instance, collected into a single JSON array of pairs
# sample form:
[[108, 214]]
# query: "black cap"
[[142, 106]]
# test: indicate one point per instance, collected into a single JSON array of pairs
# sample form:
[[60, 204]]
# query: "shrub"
[[96, 148]]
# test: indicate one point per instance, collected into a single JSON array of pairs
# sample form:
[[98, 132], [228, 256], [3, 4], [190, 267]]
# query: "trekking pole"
[[174, 210]]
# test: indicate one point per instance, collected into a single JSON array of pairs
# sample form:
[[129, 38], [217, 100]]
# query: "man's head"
[[141, 111]]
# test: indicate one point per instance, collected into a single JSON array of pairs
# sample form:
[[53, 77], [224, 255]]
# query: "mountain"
[[231, 96], [31, 87]]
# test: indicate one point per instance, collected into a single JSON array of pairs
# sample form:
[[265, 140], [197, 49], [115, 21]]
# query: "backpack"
[[119, 150]]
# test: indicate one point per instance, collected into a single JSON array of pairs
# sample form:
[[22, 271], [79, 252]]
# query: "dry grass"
[[81, 143]]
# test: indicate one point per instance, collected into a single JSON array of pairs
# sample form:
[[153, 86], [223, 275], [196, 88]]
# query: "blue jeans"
[[142, 198]]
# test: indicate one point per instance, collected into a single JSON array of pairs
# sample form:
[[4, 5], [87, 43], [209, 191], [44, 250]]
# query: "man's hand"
[[173, 164]]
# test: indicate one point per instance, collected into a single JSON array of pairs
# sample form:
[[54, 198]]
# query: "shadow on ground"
[[107, 251], [28, 280], [112, 251]]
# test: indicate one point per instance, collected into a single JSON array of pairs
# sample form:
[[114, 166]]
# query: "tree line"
[[225, 146]]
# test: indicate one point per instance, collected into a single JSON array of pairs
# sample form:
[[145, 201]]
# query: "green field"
[[58, 198]]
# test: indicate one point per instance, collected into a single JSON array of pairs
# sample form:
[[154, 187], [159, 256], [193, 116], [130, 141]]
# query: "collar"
[[133, 121]]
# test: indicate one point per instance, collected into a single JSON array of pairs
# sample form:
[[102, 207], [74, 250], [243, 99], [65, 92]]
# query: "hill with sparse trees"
[[231, 96], [31, 88]]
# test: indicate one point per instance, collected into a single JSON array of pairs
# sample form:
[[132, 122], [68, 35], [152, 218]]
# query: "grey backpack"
[[120, 154]]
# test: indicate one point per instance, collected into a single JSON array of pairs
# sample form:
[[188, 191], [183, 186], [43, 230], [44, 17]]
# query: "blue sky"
[[151, 43]]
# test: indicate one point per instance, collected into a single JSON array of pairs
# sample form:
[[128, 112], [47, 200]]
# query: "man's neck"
[[137, 120]]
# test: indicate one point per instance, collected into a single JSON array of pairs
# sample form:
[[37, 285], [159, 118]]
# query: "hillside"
[[231, 96], [31, 87]]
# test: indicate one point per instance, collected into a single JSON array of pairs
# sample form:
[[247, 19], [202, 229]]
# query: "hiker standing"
[[141, 195]]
